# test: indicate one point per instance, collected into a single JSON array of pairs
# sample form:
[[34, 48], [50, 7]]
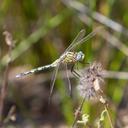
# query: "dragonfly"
[[68, 57]]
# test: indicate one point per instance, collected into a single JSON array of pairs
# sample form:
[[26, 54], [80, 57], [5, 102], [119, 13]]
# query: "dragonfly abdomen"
[[35, 70]]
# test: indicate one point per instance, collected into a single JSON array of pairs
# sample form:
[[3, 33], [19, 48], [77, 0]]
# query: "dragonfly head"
[[80, 56]]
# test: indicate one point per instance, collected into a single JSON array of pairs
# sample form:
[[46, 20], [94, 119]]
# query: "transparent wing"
[[53, 79], [78, 40], [79, 36]]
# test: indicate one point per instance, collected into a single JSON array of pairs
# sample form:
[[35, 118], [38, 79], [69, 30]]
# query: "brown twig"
[[3, 94]]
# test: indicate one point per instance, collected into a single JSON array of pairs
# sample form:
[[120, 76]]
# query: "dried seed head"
[[89, 82]]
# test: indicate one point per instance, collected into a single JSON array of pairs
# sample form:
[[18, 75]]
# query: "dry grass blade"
[[84, 10]]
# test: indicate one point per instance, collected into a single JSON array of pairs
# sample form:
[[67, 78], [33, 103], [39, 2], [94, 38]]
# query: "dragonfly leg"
[[53, 82], [69, 82], [84, 63], [74, 72]]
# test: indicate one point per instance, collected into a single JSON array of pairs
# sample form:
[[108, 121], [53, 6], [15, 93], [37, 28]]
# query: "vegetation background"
[[41, 31]]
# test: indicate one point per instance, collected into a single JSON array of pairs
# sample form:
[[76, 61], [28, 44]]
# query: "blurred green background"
[[42, 30]]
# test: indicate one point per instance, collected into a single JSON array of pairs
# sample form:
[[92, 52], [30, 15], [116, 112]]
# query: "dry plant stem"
[[109, 38], [84, 15], [115, 75], [4, 86], [101, 94], [115, 42], [84, 11], [11, 115], [110, 120], [78, 111], [106, 74]]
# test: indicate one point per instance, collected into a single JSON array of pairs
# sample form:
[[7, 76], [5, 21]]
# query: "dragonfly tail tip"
[[18, 75]]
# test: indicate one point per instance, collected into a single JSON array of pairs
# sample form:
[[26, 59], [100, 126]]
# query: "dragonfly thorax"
[[72, 57], [80, 56]]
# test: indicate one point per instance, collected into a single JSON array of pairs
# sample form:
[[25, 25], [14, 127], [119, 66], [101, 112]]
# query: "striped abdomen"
[[36, 70]]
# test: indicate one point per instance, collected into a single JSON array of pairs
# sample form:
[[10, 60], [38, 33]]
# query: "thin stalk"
[[4, 87], [108, 115], [78, 111]]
